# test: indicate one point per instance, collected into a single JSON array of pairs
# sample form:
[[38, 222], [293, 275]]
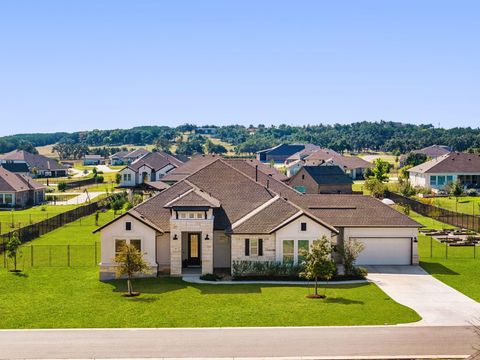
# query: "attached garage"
[[385, 251]]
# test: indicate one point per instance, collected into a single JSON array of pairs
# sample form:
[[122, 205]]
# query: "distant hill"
[[355, 137]]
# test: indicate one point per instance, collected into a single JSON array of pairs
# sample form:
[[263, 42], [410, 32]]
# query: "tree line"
[[355, 137]]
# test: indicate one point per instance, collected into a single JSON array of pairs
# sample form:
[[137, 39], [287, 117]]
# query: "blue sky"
[[77, 65]]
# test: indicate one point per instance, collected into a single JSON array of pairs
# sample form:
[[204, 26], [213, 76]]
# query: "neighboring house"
[[19, 191], [279, 153], [354, 166], [321, 180], [127, 157], [431, 152], [89, 160], [448, 168], [151, 167], [308, 150], [38, 165], [230, 211]]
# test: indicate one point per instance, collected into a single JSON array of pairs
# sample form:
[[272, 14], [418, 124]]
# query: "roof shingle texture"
[[328, 175], [450, 163], [38, 161]]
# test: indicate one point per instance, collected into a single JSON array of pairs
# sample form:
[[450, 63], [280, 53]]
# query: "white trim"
[[254, 212], [179, 197]]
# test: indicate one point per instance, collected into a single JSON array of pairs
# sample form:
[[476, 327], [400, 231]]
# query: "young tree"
[[380, 170], [455, 189], [349, 251], [118, 178], [318, 264], [130, 262], [375, 186], [12, 246]]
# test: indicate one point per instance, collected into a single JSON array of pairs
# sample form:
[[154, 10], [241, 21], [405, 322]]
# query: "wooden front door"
[[194, 250]]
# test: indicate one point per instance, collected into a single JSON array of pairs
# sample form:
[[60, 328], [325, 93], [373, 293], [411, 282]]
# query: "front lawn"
[[68, 298], [466, 204]]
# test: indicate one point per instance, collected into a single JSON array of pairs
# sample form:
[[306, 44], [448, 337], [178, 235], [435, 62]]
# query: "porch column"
[[175, 252], [207, 252]]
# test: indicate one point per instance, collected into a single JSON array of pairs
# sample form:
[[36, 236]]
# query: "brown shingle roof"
[[15, 182], [38, 161], [194, 198], [450, 163], [348, 162], [156, 161], [196, 163]]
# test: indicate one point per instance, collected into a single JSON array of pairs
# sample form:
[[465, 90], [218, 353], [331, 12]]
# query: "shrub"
[[245, 268], [99, 179], [406, 189], [62, 186], [375, 186], [118, 178], [349, 251], [128, 205], [210, 277]]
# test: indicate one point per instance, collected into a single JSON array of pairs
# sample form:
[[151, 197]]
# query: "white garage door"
[[385, 251]]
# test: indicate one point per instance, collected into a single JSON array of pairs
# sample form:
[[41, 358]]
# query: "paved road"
[[436, 302], [239, 342]]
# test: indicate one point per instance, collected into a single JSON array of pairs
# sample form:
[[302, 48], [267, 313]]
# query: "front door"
[[193, 249]]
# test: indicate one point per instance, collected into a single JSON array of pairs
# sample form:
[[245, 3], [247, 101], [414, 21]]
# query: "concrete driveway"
[[437, 303]]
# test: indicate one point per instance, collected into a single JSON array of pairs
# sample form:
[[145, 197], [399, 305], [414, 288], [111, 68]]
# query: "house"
[[354, 166], [151, 167], [127, 157], [38, 165], [279, 153], [321, 180], [431, 152], [448, 168], [89, 160], [229, 211], [308, 150], [19, 191]]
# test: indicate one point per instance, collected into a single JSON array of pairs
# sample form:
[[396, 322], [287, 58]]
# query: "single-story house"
[[279, 153], [229, 211], [354, 166], [89, 160], [151, 167], [19, 191], [323, 179], [38, 165], [431, 152], [127, 157], [448, 168]]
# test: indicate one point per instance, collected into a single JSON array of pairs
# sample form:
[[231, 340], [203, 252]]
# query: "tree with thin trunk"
[[349, 251], [318, 264], [130, 262], [12, 246]]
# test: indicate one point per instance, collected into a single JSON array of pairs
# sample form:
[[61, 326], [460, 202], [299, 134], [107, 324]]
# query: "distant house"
[[448, 168], [431, 152], [127, 157], [279, 153], [321, 180], [149, 168], [38, 165], [89, 160], [19, 191]]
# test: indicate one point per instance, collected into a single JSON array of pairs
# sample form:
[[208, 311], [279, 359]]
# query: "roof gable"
[[450, 163]]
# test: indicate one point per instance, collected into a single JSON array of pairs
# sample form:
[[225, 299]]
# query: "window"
[[191, 215], [137, 244], [183, 215], [124, 177], [200, 215], [449, 179], [303, 177], [433, 180], [128, 226], [260, 247], [119, 244], [288, 249], [300, 188], [303, 226], [247, 247], [303, 246], [254, 247], [8, 199], [441, 180]]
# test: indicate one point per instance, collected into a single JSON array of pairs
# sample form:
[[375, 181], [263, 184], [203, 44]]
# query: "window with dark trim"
[[247, 247], [128, 226], [260, 247], [303, 226]]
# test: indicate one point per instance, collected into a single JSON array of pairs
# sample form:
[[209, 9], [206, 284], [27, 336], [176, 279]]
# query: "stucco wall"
[[133, 180], [116, 230]]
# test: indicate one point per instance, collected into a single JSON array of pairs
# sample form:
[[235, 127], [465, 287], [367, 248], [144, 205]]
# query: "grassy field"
[[455, 266], [466, 204], [19, 218], [68, 298]]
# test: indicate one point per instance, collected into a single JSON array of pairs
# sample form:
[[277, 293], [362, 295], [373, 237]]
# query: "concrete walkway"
[[80, 199], [195, 279], [437, 303]]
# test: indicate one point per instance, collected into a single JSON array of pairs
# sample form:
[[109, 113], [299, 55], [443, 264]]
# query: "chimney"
[[268, 183], [256, 173]]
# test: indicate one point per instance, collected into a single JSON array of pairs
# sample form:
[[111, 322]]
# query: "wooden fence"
[[466, 221]]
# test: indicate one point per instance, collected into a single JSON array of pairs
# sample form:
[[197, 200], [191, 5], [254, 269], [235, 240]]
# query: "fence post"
[[68, 254]]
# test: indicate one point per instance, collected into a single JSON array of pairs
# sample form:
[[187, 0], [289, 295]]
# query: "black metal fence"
[[466, 221], [36, 256], [35, 230]]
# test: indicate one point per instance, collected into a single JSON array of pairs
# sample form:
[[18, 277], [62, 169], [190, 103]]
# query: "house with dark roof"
[[150, 167], [92, 160], [19, 191], [431, 152], [38, 165], [321, 180], [228, 210], [279, 153], [449, 168]]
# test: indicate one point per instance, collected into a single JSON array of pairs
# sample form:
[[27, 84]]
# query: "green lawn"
[[466, 204], [25, 217], [455, 266], [66, 298]]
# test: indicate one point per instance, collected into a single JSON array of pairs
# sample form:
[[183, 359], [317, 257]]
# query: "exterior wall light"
[[206, 237], [175, 237]]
